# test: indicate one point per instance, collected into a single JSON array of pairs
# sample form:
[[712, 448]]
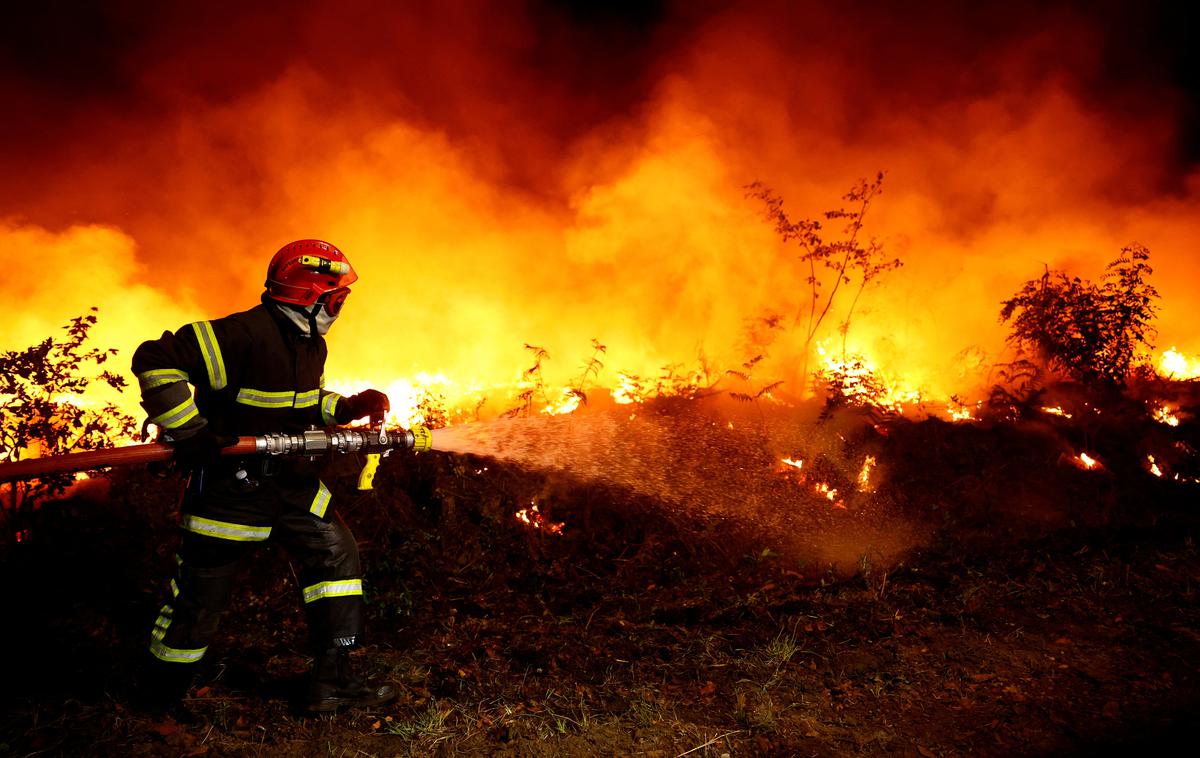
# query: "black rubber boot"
[[334, 685], [160, 687]]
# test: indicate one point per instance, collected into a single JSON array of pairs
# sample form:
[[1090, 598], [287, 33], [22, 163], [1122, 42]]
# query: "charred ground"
[[1050, 610]]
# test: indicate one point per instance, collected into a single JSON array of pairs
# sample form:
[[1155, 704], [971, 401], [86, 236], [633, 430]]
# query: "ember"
[[864, 474], [537, 520], [1164, 414]]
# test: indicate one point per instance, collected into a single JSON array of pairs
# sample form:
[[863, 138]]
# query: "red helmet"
[[304, 271]]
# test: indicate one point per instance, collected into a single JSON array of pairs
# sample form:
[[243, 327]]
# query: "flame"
[[627, 390], [535, 519], [1165, 415], [1154, 469], [864, 475], [1087, 462], [862, 383], [962, 412], [566, 403], [830, 493], [824, 489], [1056, 411], [620, 216], [1175, 365]]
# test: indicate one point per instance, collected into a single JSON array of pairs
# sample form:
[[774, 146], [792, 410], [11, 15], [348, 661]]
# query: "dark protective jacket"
[[253, 372]]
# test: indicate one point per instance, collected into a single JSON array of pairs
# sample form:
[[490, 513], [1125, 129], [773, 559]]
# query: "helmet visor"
[[334, 299]]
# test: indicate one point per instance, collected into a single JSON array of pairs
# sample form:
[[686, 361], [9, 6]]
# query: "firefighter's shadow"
[[240, 679]]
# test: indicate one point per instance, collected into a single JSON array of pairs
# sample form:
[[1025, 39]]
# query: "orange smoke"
[[501, 178]]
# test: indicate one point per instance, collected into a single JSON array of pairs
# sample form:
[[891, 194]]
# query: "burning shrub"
[[1091, 333]]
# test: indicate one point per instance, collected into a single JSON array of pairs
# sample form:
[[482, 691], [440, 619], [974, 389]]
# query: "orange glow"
[[619, 213], [1085, 461]]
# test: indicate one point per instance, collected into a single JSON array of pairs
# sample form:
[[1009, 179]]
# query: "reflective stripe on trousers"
[[224, 530], [343, 588]]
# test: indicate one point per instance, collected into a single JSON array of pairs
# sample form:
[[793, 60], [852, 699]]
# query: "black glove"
[[365, 403], [201, 449]]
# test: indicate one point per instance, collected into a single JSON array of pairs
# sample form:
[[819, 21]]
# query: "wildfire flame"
[[1154, 469], [861, 382], [1087, 462], [962, 412], [824, 489], [1175, 365], [535, 519], [1165, 415], [627, 390], [566, 403], [864, 475], [620, 216]]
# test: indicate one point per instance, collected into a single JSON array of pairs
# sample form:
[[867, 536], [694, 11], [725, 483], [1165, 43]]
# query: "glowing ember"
[[1085, 461], [797, 464], [1056, 411], [1154, 469], [1175, 365], [864, 476], [536, 519], [830, 493], [1163, 414]]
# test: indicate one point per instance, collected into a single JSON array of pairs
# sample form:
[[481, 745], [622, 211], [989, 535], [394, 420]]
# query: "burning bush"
[[1092, 333]]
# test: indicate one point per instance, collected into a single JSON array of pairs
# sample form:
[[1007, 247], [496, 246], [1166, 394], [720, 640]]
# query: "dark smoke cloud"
[[527, 80], [521, 80]]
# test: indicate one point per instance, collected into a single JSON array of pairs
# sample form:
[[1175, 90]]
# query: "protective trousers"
[[223, 520]]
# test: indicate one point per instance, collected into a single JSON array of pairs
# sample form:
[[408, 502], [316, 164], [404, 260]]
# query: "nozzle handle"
[[366, 477]]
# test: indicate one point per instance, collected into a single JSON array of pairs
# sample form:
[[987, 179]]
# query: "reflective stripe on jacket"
[[253, 373]]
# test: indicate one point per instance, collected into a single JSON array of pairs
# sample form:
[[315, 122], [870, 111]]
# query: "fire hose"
[[375, 443]]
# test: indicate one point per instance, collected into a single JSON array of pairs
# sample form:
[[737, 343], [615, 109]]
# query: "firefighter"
[[255, 372]]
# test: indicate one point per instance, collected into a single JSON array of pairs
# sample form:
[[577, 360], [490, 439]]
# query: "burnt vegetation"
[[1048, 608]]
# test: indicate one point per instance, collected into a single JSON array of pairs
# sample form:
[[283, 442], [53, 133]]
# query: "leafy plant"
[[1090, 332], [536, 384], [591, 370], [744, 374], [829, 264], [41, 412]]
